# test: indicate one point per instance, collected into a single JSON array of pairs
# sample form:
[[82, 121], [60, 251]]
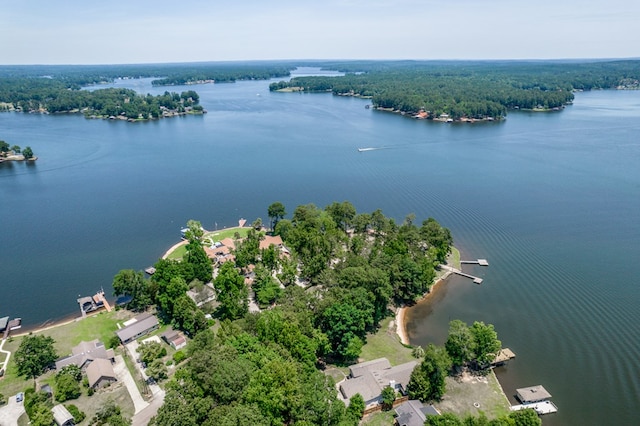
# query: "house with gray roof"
[[143, 325], [85, 353], [413, 413], [371, 377]]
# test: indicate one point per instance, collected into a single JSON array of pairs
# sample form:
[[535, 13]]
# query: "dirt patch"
[[471, 394]]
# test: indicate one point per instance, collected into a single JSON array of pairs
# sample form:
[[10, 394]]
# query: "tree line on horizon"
[[469, 89]]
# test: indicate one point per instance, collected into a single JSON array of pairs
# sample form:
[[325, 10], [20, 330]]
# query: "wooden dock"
[[503, 356], [476, 280]]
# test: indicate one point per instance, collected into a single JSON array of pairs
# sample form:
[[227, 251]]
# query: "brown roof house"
[[85, 353], [143, 325], [371, 377], [100, 373]]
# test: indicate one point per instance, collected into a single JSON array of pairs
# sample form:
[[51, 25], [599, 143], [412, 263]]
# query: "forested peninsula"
[[467, 91]]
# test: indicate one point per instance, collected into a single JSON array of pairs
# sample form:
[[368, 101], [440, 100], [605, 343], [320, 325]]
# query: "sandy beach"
[[401, 329]]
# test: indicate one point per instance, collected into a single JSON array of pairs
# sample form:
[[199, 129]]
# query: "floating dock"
[[150, 270], [542, 407]]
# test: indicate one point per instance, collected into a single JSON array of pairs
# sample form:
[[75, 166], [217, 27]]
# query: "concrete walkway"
[[5, 364], [11, 412], [123, 374]]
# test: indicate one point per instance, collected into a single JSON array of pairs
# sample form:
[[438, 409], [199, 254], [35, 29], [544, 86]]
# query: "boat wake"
[[368, 149]]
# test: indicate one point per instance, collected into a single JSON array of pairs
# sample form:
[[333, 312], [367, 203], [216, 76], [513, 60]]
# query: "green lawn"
[[381, 418], [386, 343], [100, 326], [214, 236]]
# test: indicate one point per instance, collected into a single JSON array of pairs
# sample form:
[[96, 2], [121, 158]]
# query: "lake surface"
[[552, 200]]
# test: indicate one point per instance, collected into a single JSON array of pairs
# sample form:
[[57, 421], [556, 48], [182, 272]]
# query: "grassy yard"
[[381, 418], [386, 343], [100, 326]]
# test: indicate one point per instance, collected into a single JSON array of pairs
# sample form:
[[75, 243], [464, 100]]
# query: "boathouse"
[[532, 394]]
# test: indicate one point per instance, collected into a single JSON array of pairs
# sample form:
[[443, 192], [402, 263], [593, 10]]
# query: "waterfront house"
[[139, 326], [85, 353], [174, 338], [371, 377]]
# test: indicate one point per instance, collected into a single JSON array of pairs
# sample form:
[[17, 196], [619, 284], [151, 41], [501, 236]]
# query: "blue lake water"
[[552, 200]]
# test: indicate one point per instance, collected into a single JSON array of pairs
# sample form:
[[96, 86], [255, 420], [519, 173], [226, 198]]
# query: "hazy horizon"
[[38, 32]]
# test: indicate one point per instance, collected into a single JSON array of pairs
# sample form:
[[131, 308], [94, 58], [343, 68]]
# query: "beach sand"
[[401, 329]]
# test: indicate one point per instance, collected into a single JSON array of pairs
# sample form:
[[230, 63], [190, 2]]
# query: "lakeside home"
[[139, 326]]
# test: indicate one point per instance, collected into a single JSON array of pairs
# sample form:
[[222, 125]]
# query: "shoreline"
[[401, 326]]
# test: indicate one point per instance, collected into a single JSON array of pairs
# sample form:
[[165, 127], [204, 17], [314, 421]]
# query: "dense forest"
[[469, 90]]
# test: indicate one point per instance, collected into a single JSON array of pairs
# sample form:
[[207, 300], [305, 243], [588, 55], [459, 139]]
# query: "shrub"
[[179, 356], [78, 415]]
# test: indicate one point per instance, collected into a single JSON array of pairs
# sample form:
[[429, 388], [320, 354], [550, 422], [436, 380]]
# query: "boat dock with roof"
[[535, 397]]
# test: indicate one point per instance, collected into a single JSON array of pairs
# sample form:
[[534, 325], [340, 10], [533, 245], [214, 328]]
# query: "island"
[[15, 153]]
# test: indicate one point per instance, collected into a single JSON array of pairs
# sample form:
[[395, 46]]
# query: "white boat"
[[366, 149]]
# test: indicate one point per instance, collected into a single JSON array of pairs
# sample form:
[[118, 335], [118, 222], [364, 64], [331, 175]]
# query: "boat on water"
[[366, 149]]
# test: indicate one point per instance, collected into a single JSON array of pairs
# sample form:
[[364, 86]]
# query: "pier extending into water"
[[477, 280]]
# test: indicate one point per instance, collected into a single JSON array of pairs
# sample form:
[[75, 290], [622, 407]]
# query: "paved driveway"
[[11, 412], [123, 374]]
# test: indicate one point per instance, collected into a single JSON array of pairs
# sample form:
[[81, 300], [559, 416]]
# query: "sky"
[[140, 31]]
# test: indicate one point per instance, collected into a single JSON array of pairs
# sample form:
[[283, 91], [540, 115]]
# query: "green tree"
[[486, 342], [151, 351], [34, 355], [427, 382], [388, 397], [128, 282], [111, 415], [276, 212], [231, 292], [78, 416], [526, 417], [445, 419], [15, 149], [200, 262], [157, 370], [266, 288], [27, 152], [67, 387], [4, 147], [460, 343], [356, 407], [187, 316]]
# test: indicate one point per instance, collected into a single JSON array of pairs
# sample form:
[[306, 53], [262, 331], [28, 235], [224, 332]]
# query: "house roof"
[[358, 370], [99, 369], [228, 242], [365, 385], [85, 352], [143, 323], [414, 413], [369, 378], [532, 394], [270, 240], [61, 415]]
